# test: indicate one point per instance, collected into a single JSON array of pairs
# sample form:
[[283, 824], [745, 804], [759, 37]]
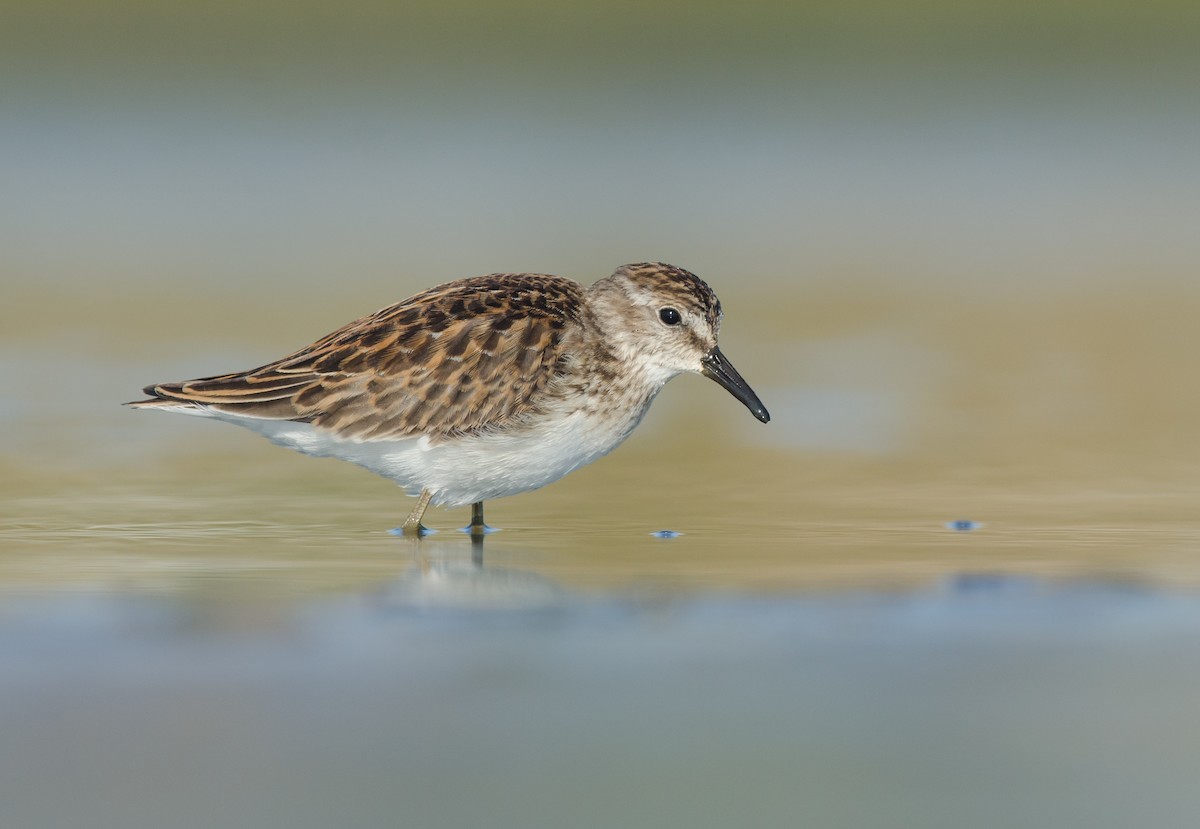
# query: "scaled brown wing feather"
[[465, 356]]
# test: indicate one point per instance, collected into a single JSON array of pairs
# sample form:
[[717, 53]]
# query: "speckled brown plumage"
[[454, 359]]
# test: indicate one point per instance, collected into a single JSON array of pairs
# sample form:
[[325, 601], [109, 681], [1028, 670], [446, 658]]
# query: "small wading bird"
[[480, 388]]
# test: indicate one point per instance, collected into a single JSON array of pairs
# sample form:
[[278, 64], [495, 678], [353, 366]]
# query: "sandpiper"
[[483, 387]]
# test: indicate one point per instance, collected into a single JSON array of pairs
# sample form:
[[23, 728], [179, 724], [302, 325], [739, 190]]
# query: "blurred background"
[[972, 225], [957, 247]]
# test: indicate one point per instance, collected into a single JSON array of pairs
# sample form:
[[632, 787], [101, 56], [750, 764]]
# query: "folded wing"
[[462, 357]]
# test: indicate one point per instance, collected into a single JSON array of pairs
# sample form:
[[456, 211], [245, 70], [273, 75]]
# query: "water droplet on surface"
[[666, 534], [963, 526]]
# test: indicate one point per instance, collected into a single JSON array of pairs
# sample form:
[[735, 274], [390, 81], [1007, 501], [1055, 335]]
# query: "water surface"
[[956, 249]]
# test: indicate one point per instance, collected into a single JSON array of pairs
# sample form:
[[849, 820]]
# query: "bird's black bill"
[[716, 367]]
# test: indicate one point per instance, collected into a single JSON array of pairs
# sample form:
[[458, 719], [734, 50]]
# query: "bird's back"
[[469, 355]]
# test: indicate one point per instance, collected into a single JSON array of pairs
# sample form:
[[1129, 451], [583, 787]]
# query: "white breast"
[[470, 468]]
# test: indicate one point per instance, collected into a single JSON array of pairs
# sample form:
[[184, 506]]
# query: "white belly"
[[473, 467]]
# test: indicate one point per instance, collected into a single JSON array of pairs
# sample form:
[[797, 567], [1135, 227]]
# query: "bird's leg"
[[477, 526], [412, 524], [477, 529]]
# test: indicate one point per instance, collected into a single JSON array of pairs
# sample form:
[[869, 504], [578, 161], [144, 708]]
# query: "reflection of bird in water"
[[441, 578]]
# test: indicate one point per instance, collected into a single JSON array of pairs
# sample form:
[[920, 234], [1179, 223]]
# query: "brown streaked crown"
[[669, 280]]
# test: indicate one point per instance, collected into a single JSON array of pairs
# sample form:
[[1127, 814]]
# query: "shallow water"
[[198, 628], [452, 696], [956, 248]]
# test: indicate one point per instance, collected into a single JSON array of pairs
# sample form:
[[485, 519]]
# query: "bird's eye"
[[670, 316]]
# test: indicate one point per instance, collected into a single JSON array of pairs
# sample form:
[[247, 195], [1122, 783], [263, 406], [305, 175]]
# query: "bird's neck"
[[610, 374]]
